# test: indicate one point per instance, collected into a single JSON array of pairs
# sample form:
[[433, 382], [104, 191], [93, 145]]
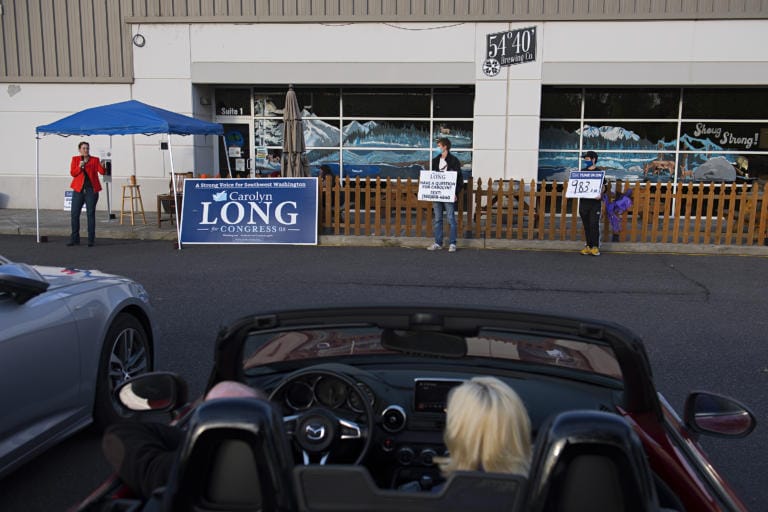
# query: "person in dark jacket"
[[143, 454], [445, 161], [85, 170], [589, 211]]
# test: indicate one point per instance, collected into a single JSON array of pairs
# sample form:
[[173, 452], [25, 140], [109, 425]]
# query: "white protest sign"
[[585, 184], [437, 186], [67, 200]]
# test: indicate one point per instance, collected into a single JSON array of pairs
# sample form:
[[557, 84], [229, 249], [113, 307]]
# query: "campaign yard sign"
[[437, 186], [250, 211]]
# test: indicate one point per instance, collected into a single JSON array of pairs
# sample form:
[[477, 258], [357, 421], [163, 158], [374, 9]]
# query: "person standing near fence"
[[85, 170], [443, 162], [589, 211]]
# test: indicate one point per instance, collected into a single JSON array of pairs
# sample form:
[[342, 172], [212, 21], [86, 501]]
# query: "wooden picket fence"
[[688, 213]]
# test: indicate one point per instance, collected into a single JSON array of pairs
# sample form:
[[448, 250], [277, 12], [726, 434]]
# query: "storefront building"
[[671, 93]]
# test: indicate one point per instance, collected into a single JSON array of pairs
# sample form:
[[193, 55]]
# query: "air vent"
[[393, 418]]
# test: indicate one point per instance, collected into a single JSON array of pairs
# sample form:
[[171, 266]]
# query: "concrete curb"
[[546, 245], [54, 223]]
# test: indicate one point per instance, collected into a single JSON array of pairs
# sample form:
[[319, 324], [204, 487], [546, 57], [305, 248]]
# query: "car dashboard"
[[408, 405]]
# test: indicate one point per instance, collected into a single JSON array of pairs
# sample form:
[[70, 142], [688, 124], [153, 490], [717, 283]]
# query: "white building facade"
[[376, 96]]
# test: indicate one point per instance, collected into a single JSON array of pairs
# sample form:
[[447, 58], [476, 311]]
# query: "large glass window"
[[454, 103], [233, 102], [659, 134], [386, 103], [368, 131], [631, 103], [744, 103]]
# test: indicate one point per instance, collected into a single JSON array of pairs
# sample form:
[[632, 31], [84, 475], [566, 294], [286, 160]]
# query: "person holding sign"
[[589, 211], [445, 161], [85, 170]]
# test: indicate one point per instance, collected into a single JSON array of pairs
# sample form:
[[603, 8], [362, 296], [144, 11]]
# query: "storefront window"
[[387, 164], [383, 134], [268, 132], [233, 102], [459, 133], [454, 103], [270, 164], [268, 105], [366, 131], [393, 103], [557, 135], [744, 103], [632, 103], [723, 133], [561, 103], [320, 102], [329, 157], [319, 133], [629, 135], [556, 165], [723, 136]]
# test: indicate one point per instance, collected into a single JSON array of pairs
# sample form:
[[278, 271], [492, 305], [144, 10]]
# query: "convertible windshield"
[[262, 348]]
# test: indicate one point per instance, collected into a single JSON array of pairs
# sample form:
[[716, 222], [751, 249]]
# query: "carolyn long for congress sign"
[[250, 211], [439, 186]]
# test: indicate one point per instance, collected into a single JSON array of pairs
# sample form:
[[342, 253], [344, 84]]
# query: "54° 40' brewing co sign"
[[509, 48]]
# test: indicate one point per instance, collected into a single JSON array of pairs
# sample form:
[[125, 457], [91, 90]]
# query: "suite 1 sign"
[[509, 48]]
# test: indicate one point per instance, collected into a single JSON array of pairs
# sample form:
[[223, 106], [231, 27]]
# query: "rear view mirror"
[[424, 342], [716, 415], [156, 391]]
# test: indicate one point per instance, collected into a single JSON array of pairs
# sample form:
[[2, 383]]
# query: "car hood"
[[60, 277]]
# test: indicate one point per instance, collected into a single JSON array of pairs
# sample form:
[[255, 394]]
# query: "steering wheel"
[[319, 430]]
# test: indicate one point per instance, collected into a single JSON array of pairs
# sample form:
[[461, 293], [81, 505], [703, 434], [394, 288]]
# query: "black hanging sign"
[[509, 48]]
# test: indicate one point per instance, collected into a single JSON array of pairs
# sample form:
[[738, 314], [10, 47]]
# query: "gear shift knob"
[[426, 482]]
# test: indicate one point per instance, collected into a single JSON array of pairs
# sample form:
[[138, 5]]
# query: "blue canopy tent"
[[124, 118]]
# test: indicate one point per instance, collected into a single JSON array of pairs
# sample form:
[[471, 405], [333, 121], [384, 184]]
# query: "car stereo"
[[431, 395]]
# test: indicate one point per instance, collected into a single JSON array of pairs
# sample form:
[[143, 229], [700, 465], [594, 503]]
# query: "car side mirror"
[[154, 391], [20, 281], [717, 415]]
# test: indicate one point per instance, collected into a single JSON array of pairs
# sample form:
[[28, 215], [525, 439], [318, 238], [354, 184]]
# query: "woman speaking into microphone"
[[85, 170]]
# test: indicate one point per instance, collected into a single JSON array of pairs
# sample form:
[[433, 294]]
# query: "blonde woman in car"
[[487, 429]]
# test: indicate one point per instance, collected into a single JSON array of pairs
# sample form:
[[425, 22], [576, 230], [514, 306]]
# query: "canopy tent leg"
[[108, 184], [175, 200], [226, 155], [37, 186]]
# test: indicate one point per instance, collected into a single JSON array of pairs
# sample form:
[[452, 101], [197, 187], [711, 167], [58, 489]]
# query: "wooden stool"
[[133, 194]]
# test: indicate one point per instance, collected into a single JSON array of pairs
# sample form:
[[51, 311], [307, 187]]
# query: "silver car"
[[68, 338]]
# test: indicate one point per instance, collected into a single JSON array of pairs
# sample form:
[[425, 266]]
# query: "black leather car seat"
[[235, 457], [589, 461]]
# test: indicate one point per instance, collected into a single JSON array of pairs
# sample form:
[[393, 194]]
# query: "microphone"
[[82, 163]]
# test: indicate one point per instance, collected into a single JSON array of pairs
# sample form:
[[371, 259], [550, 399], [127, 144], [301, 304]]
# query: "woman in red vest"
[[85, 170]]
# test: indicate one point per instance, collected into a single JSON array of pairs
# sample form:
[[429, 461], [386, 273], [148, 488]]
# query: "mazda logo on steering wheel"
[[314, 432]]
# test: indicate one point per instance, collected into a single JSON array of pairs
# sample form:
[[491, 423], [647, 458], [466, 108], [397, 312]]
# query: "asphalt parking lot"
[[702, 318]]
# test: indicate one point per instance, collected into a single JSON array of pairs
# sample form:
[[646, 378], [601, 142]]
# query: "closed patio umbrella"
[[294, 161]]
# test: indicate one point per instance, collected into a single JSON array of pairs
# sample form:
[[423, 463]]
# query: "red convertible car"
[[356, 410]]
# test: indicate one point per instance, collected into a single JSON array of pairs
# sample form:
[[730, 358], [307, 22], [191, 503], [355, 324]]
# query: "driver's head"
[[233, 389], [487, 429]]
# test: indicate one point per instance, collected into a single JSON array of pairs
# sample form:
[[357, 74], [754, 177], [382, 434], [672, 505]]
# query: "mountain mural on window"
[[626, 154]]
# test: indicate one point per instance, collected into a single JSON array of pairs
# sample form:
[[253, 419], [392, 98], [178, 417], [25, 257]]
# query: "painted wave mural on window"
[[386, 148], [633, 152]]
